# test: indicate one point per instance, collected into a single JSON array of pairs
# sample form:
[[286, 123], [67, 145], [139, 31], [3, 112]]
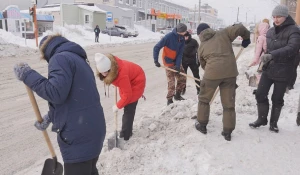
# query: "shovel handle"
[[169, 69], [218, 89], [116, 113], [40, 119]]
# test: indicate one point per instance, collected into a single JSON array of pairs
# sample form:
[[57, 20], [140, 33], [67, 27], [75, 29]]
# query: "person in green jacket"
[[220, 70]]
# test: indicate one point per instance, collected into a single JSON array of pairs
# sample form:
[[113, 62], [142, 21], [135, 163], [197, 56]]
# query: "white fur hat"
[[102, 62]]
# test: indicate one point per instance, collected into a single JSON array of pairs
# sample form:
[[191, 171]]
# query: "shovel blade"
[[51, 169], [113, 142], [252, 81]]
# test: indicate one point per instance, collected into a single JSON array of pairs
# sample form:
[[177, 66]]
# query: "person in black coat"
[[189, 59], [283, 42], [294, 74], [97, 32]]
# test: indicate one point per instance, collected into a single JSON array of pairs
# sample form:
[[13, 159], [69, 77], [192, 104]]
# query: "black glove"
[[157, 64], [246, 42]]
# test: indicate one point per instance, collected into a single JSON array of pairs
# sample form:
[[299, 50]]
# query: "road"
[[21, 145]]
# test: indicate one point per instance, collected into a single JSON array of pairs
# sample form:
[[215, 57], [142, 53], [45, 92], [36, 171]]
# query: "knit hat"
[[280, 10], [202, 27], [103, 63], [181, 27]]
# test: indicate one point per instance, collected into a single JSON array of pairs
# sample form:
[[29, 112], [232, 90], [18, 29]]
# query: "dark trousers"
[[82, 168], [293, 77], [127, 120], [97, 38], [195, 70], [263, 89]]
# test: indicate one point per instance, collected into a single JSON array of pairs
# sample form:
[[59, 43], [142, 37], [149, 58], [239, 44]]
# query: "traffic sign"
[[109, 16]]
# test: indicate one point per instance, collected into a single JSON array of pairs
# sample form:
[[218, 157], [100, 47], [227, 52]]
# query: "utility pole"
[[298, 13], [246, 18], [199, 16], [195, 16], [32, 11], [237, 16]]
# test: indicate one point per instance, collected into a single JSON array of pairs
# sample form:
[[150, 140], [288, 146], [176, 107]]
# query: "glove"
[[115, 108], [266, 58], [157, 64], [246, 42], [20, 70], [44, 124]]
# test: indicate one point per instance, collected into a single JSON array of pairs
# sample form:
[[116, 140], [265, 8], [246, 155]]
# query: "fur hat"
[[103, 63]]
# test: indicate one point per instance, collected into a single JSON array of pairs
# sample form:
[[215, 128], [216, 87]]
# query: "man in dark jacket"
[[97, 32], [173, 45], [220, 70], [74, 103], [190, 58], [283, 42]]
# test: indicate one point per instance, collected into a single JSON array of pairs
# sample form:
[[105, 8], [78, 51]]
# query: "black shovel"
[[51, 166], [114, 141]]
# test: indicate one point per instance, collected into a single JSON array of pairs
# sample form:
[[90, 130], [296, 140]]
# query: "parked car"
[[131, 32], [166, 31], [115, 31], [238, 41]]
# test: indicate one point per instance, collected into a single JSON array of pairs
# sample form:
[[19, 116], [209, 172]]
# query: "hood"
[[189, 39], [113, 73], [263, 28], [54, 44], [206, 34]]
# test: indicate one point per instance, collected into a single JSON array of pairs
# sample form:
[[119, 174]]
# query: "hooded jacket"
[[261, 43], [190, 50], [172, 45], [283, 43], [129, 77], [74, 101], [216, 53]]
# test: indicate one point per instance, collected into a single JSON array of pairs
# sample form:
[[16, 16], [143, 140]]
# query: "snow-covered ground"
[[164, 140], [11, 45]]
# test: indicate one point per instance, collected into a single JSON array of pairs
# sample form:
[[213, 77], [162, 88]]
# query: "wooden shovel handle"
[[218, 89], [169, 69], [40, 119], [116, 113]]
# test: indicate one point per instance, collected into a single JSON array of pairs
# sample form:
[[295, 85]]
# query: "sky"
[[256, 9]]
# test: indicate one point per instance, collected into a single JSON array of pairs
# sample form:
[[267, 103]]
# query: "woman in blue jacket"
[[74, 103]]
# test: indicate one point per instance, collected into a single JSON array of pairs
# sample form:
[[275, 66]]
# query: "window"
[[140, 3], [106, 1], [134, 2], [1, 27], [134, 17], [121, 1], [86, 19], [127, 2]]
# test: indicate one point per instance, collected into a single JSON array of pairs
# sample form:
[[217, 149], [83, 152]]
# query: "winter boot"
[[263, 110], [201, 127], [122, 135], [178, 97], [275, 113], [170, 101], [183, 91], [227, 135], [298, 119]]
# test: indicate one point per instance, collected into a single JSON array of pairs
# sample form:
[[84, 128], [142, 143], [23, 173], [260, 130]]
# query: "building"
[[291, 4], [208, 15], [21, 24]]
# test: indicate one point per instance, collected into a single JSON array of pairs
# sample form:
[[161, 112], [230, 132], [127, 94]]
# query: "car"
[[166, 31], [115, 31], [238, 41], [131, 32]]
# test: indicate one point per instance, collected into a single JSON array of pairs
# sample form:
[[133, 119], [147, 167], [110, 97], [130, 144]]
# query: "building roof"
[[91, 8]]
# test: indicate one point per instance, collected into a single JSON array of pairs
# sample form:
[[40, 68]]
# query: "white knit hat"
[[102, 62]]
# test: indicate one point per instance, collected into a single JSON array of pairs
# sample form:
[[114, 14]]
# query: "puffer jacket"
[[190, 50], [283, 43], [216, 54], [74, 101], [128, 77]]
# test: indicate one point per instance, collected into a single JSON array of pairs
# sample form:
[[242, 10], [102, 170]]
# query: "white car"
[[237, 41], [130, 31]]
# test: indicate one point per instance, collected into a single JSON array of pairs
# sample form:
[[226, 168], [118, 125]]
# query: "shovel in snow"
[[114, 142], [51, 166]]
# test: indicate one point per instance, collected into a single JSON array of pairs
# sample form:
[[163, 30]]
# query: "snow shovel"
[[188, 76], [51, 166], [218, 89], [114, 142]]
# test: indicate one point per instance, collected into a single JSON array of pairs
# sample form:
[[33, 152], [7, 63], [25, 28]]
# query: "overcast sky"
[[228, 8]]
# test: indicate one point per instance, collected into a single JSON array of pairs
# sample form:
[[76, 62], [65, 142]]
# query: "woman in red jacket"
[[131, 80]]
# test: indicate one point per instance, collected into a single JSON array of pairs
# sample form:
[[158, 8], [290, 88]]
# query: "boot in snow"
[[201, 127], [263, 110], [178, 97], [298, 119], [275, 113], [227, 135], [170, 101], [183, 91], [122, 135]]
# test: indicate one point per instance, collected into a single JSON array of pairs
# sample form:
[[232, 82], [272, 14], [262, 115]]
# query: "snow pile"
[[165, 141]]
